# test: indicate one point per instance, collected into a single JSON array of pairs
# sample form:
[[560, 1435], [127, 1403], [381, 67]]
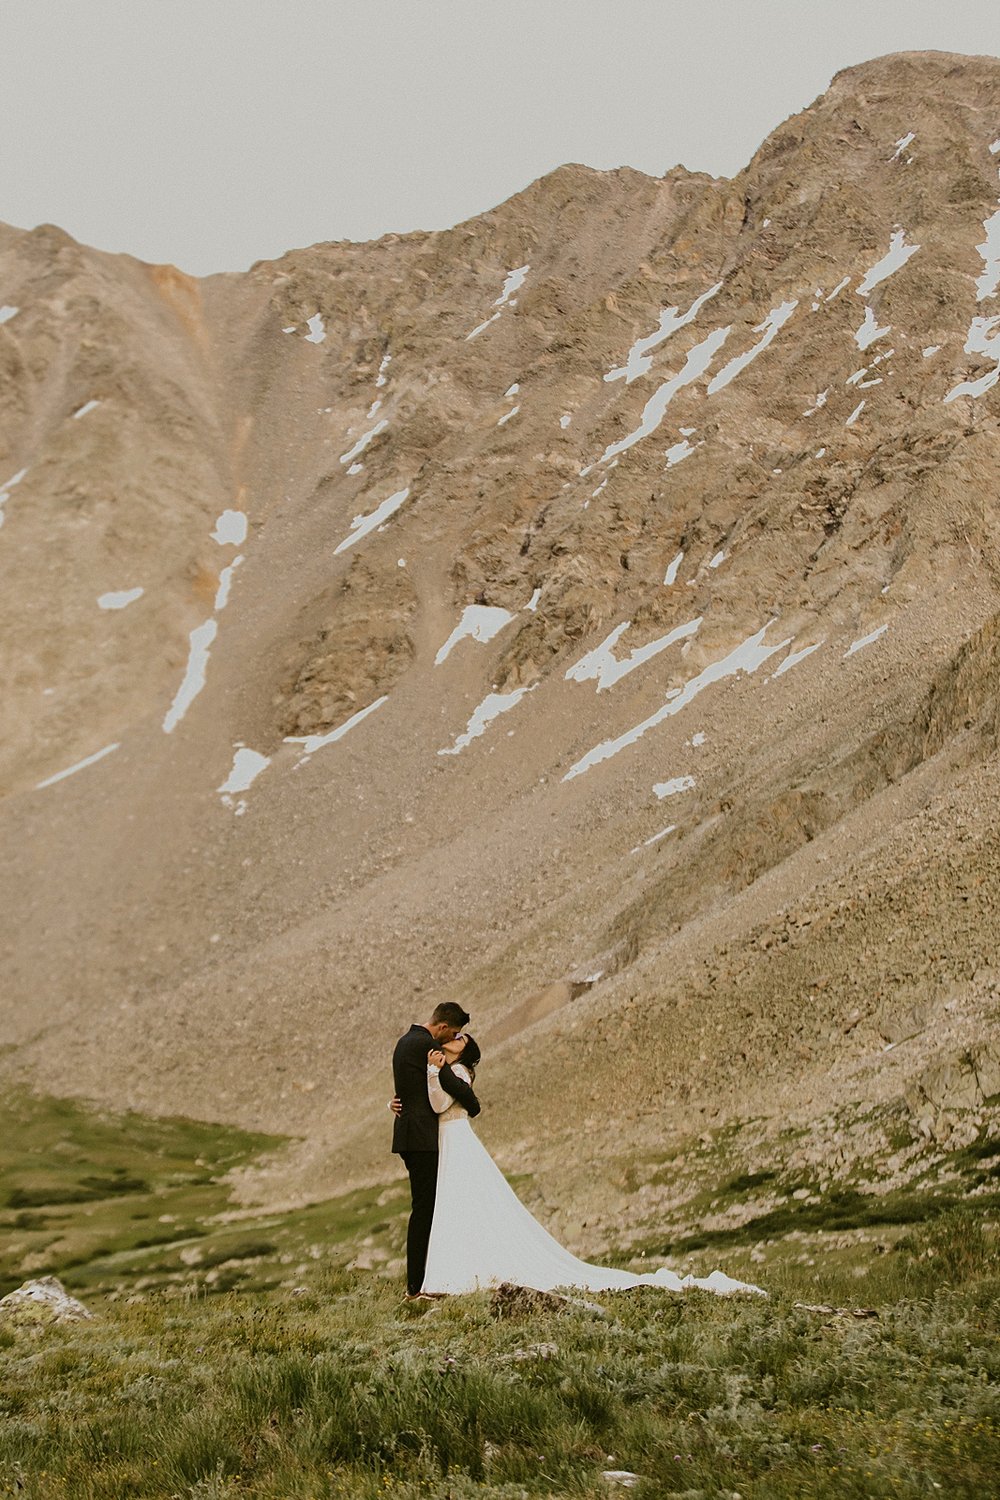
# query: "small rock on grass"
[[512, 1301], [533, 1351], [837, 1312], [38, 1303]]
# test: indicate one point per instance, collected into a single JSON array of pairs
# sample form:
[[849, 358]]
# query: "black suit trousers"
[[422, 1167]]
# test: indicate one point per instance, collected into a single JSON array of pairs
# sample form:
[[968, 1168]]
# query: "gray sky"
[[212, 133]]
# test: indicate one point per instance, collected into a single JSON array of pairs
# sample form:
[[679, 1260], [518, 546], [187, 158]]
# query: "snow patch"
[[80, 765], [897, 255], [717, 560], [638, 359], [670, 576], [7, 312], [902, 144], [987, 283], [6, 488], [931, 349], [870, 331], [507, 415], [312, 742], [838, 289], [565, 420], [317, 329], [981, 340], [820, 400], [201, 639], [479, 621], [492, 706], [696, 363], [794, 657], [364, 440], [865, 640], [230, 529], [512, 282], [380, 379], [746, 657], [855, 414], [674, 787], [362, 525], [83, 410], [532, 603], [120, 599], [608, 669], [247, 766], [480, 327], [225, 583], [679, 452], [654, 838], [771, 326]]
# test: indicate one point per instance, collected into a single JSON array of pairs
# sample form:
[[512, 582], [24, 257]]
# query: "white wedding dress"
[[482, 1234]]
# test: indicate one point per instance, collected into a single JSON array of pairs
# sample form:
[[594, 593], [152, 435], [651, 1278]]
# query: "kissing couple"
[[468, 1229]]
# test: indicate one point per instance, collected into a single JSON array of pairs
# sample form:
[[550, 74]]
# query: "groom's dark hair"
[[448, 1013]]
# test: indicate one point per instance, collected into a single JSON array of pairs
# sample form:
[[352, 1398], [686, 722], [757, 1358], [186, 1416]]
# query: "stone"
[[531, 1351], [986, 1061], [951, 1083], [511, 1301], [896, 1027], [37, 1304]]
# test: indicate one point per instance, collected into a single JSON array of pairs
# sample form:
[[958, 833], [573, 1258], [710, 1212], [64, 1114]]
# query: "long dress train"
[[482, 1234]]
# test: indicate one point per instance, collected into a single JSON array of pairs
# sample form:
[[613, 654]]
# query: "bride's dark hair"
[[470, 1054]]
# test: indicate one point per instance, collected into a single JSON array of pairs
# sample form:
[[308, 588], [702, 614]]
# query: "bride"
[[482, 1234]]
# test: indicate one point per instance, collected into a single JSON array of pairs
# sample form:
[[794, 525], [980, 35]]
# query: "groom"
[[415, 1129]]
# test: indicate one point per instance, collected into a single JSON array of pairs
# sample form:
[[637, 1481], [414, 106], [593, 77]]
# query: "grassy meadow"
[[274, 1356]]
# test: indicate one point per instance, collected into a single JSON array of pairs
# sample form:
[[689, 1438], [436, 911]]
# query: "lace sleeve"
[[440, 1101]]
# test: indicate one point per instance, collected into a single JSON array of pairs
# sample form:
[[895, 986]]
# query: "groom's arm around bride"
[[415, 1127]]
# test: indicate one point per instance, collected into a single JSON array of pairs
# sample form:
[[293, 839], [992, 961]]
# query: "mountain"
[[590, 612]]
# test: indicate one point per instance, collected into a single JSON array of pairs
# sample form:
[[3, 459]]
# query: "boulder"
[[39, 1303]]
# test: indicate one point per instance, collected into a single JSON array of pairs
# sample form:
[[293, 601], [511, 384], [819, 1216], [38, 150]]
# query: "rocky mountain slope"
[[589, 612]]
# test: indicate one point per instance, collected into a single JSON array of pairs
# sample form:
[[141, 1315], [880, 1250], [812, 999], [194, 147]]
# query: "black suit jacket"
[[416, 1129]]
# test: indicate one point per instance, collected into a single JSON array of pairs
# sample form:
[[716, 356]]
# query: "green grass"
[[839, 1209], [80, 1189], [246, 1359], [346, 1390]]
